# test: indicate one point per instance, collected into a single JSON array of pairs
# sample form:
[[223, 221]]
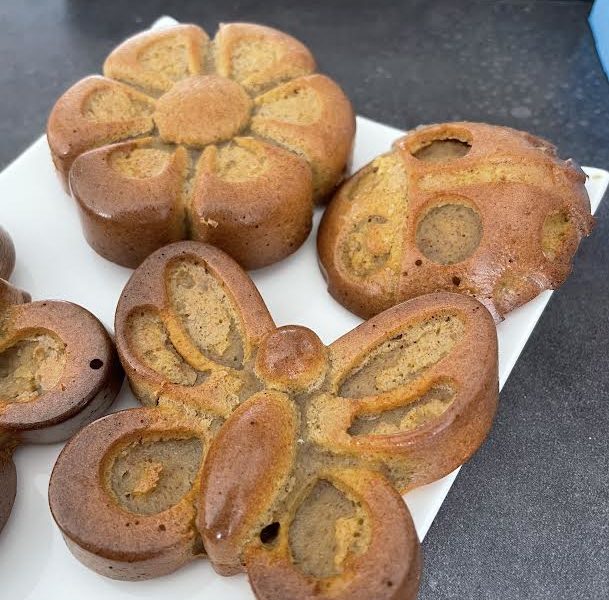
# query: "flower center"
[[202, 110], [292, 359]]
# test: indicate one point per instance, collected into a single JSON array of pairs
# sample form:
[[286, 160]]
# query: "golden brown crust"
[[130, 63], [118, 228], [274, 138], [298, 439], [252, 219], [531, 210], [108, 539], [292, 58], [260, 434], [325, 140], [388, 569], [11, 295], [88, 116], [88, 383]]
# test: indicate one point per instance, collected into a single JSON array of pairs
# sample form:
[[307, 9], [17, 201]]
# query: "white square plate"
[[55, 262]]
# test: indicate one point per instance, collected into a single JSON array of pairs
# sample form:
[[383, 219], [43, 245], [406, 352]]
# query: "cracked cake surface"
[[263, 449], [229, 140], [482, 210]]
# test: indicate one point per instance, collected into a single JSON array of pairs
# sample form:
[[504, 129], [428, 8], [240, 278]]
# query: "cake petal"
[[259, 57], [131, 198], [122, 492], [94, 112], [155, 60], [312, 117], [414, 387], [252, 200], [187, 323], [370, 552]]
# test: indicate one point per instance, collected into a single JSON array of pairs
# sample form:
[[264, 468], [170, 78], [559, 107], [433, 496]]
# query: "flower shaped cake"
[[58, 372], [227, 141], [467, 207], [262, 448]]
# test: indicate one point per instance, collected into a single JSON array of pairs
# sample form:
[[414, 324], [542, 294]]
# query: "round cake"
[[228, 141], [464, 207]]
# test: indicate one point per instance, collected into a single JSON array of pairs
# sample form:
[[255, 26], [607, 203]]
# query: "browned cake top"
[[218, 131], [483, 210], [265, 449]]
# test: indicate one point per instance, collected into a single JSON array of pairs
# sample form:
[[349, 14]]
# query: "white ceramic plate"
[[55, 262]]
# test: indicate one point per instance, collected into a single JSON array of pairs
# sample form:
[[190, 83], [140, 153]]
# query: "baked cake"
[[58, 371], [487, 211], [263, 449], [228, 141]]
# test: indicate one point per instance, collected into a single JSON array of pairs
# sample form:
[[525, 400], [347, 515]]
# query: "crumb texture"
[[167, 56], [150, 341], [420, 411], [327, 527], [107, 105], [292, 104], [251, 56], [205, 311], [240, 162], [404, 357], [556, 231], [140, 163], [441, 150], [449, 233], [150, 476], [31, 367], [379, 203]]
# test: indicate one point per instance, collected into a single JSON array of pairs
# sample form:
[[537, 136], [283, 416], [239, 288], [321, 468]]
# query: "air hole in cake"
[[150, 476], [205, 311], [198, 549], [327, 527], [406, 418], [403, 357], [555, 234], [31, 367], [269, 534], [96, 364], [440, 150], [449, 233]]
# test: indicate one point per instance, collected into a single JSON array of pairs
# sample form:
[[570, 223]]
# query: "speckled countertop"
[[528, 516]]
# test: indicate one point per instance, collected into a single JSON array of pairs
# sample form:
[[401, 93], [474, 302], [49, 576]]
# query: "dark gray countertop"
[[529, 516]]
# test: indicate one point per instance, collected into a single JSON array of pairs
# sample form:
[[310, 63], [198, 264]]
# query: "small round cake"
[[230, 141], [487, 211]]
